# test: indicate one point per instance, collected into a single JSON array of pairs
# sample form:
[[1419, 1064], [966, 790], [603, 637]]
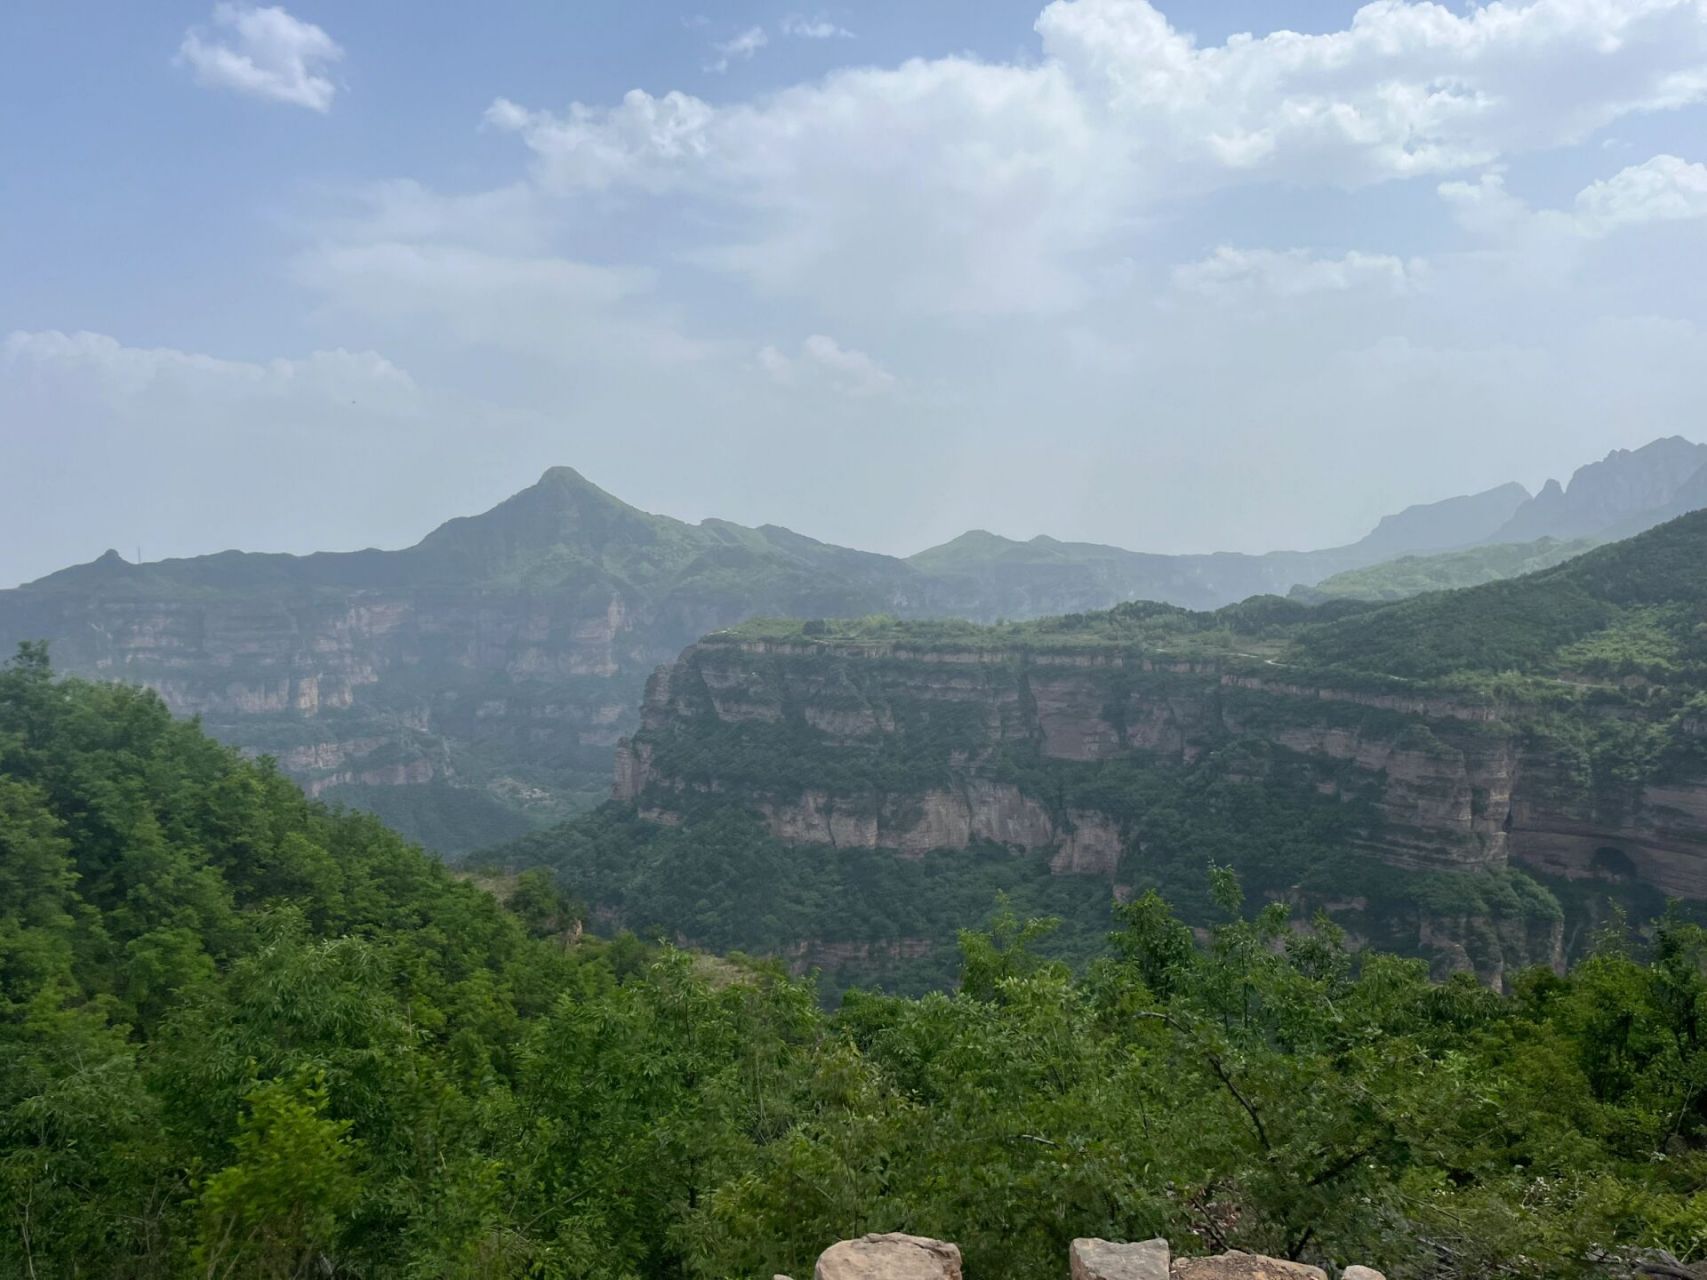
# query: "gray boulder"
[[891, 1256], [1243, 1266], [1108, 1260]]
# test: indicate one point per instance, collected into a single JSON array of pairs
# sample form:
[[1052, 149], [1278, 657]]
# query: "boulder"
[[1107, 1260], [1243, 1266], [892, 1256], [1361, 1273]]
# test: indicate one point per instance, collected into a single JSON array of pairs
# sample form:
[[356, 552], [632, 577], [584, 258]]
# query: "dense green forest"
[[246, 1035], [721, 881]]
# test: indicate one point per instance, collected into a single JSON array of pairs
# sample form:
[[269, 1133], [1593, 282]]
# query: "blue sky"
[[320, 276]]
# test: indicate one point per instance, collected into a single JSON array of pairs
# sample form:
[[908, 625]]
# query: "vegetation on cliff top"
[[1414, 575], [1632, 608], [246, 1036]]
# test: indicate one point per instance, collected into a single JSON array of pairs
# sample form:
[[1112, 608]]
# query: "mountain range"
[[474, 685]]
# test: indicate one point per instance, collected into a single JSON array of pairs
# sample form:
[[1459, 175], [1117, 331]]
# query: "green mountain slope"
[[245, 1036], [1414, 575], [1630, 608]]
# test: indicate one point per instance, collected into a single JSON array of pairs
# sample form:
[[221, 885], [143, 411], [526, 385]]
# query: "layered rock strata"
[[883, 746]]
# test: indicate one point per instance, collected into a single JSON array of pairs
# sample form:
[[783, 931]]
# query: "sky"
[[1184, 275]]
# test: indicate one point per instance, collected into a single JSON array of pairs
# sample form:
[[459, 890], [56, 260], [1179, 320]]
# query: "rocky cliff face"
[[884, 747], [509, 694]]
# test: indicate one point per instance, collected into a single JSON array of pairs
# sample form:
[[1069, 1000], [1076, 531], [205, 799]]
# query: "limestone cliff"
[[883, 746], [1461, 785]]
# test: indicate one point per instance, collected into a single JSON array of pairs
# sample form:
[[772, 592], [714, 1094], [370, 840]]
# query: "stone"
[[1361, 1273], [1108, 1260], [1243, 1266], [891, 1256]]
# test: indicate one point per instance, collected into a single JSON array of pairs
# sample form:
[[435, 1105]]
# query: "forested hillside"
[[1414, 575], [246, 1036]]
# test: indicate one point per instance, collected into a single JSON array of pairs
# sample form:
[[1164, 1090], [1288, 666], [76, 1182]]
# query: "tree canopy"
[[247, 1035]]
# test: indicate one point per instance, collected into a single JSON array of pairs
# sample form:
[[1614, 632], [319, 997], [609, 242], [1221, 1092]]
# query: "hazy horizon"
[[276, 279]]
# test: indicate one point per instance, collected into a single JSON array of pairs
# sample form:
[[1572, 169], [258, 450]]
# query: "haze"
[[321, 277]]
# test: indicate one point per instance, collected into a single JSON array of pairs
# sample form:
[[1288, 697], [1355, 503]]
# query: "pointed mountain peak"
[[561, 514], [108, 569], [565, 478]]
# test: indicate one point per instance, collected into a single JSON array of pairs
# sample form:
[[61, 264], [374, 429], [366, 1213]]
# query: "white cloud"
[[99, 364], [817, 28], [737, 49], [265, 53], [958, 186], [1661, 189], [824, 362], [1293, 273]]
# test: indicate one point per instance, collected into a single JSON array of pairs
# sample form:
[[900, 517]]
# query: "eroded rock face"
[[1361, 1273], [890, 1256], [1455, 786], [1243, 1266], [1090, 1259]]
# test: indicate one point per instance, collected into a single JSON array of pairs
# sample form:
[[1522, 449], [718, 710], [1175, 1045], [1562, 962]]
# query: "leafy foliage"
[[245, 1035]]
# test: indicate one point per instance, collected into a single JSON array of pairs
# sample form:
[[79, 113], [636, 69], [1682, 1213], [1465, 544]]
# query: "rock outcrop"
[[904, 1257], [1243, 1266], [1456, 784], [890, 1256], [1090, 1259]]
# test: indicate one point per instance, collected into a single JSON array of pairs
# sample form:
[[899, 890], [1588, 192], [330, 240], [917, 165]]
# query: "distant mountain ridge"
[[1625, 492], [477, 682], [984, 576], [1442, 526]]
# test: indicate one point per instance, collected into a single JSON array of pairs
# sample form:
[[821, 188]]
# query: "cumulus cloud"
[[817, 28], [737, 49], [1292, 273], [265, 53], [1661, 189], [955, 185], [826, 363]]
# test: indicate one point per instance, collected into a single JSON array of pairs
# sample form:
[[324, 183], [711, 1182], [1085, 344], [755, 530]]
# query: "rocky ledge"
[[895, 1256]]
